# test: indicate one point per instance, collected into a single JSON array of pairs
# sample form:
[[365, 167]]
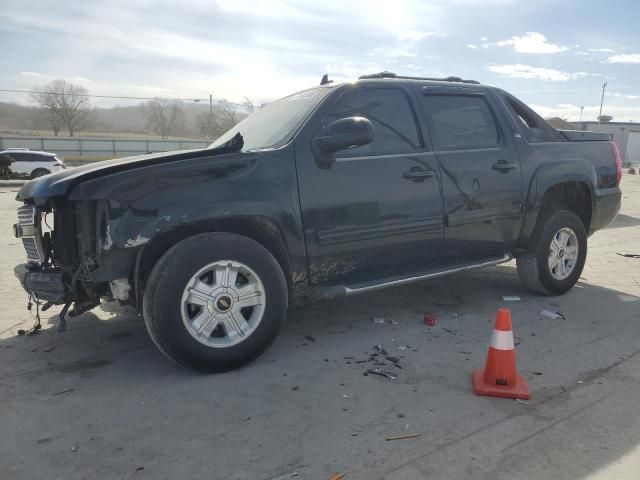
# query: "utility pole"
[[604, 86], [581, 109], [211, 105]]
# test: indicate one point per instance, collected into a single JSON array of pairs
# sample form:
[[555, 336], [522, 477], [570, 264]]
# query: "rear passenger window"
[[461, 122], [395, 129], [533, 126]]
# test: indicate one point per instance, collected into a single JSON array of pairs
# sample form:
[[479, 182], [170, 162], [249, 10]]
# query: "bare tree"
[[208, 126], [64, 104], [227, 113], [164, 117], [249, 105], [222, 117]]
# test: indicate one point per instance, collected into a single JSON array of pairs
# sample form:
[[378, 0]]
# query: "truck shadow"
[[623, 221], [324, 349]]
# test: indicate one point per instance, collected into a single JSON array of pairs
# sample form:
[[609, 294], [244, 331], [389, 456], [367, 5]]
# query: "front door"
[[481, 177], [378, 210]]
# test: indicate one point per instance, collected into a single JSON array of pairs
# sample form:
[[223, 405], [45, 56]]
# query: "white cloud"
[[44, 77], [603, 50], [626, 96], [484, 39], [571, 112], [624, 58], [529, 72], [472, 46], [391, 52], [583, 53], [416, 36], [531, 42]]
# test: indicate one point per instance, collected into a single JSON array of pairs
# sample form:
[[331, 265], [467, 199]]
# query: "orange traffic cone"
[[499, 377]]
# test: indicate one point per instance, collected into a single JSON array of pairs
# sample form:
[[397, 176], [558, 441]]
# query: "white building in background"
[[625, 134]]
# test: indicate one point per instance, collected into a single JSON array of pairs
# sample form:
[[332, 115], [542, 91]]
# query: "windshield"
[[274, 124]]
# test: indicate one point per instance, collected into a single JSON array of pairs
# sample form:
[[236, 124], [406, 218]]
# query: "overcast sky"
[[552, 54]]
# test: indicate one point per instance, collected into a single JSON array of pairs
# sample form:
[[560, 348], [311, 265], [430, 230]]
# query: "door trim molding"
[[486, 214], [367, 232]]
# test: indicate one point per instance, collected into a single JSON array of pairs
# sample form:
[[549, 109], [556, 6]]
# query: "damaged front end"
[[64, 260]]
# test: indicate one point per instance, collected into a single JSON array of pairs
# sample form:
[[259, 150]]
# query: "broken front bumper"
[[46, 286]]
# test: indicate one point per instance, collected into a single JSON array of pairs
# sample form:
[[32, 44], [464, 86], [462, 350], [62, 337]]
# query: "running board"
[[370, 287]]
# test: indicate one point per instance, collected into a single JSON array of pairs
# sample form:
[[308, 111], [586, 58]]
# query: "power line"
[[124, 97]]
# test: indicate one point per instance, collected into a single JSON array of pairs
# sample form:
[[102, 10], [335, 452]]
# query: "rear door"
[[481, 175], [378, 210]]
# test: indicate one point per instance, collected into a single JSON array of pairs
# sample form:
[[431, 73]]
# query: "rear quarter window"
[[534, 128]]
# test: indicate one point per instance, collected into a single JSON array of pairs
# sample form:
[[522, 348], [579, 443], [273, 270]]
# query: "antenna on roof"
[[325, 79]]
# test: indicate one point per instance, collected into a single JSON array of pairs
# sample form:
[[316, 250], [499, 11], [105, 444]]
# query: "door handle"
[[503, 166], [418, 174]]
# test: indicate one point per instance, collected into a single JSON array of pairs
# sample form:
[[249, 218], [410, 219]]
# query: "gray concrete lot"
[[99, 401]]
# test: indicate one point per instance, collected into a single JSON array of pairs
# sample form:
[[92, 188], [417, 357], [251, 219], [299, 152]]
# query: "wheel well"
[[574, 196], [260, 229]]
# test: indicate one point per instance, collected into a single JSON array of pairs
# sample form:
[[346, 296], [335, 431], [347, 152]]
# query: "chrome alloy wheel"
[[563, 253], [223, 304]]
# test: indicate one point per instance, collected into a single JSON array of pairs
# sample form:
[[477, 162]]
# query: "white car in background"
[[26, 163]]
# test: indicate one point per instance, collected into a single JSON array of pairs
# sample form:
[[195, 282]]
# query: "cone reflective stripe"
[[501, 340], [500, 377]]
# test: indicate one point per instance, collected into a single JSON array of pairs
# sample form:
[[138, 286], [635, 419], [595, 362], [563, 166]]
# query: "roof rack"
[[393, 75]]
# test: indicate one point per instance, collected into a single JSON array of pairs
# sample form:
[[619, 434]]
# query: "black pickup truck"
[[333, 191]]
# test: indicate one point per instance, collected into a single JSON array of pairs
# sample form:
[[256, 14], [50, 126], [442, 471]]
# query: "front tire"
[[556, 255], [215, 301]]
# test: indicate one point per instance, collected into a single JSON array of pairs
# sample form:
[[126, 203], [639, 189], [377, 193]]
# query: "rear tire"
[[556, 254], [202, 332], [40, 172]]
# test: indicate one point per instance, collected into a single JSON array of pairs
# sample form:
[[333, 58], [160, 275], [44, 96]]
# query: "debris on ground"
[[285, 476], [337, 476], [402, 348], [344, 395], [310, 338], [380, 320], [430, 319], [454, 315], [379, 349], [629, 255], [523, 402], [49, 348], [74, 447], [63, 392], [449, 331], [552, 315], [402, 437], [511, 298], [382, 373], [537, 373]]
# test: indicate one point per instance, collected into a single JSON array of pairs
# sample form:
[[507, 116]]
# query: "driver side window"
[[395, 129]]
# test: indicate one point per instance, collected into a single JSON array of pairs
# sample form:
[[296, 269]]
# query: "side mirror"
[[342, 134]]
